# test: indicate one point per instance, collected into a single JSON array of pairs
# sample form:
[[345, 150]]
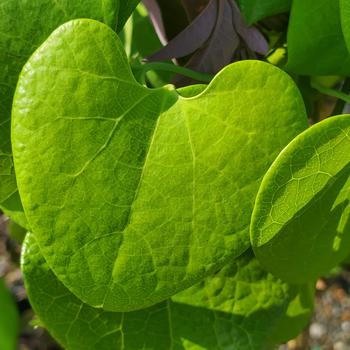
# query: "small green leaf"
[[254, 10], [238, 308], [300, 224], [135, 194], [9, 320], [316, 44]]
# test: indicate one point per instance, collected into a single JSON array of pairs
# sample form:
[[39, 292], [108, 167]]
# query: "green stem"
[[342, 95], [339, 107], [168, 67]]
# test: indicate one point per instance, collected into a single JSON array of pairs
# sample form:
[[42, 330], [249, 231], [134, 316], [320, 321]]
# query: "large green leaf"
[[345, 20], [300, 224], [9, 320], [239, 308], [135, 194], [254, 10], [316, 44], [24, 26]]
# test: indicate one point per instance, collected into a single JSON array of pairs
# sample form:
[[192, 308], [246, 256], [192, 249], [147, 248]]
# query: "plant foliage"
[[169, 212], [24, 26], [323, 49], [240, 306], [301, 216], [9, 320], [255, 10], [165, 213]]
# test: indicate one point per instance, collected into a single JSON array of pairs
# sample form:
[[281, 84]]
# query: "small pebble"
[[317, 331], [321, 285], [337, 310], [340, 346], [340, 294], [346, 315], [345, 326], [292, 345]]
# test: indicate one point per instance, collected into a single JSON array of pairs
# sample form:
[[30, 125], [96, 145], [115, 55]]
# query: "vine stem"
[[339, 107], [168, 67], [341, 95]]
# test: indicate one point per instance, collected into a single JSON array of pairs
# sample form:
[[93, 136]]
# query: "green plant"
[[175, 218], [300, 225], [242, 306], [24, 26], [168, 197], [9, 320]]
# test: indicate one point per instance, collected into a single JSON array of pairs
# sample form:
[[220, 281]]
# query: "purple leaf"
[[230, 41], [250, 35], [216, 37], [156, 18], [191, 38], [218, 51]]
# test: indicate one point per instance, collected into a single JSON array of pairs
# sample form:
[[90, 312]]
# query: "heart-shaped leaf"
[[135, 194], [300, 224], [239, 308], [322, 50], [24, 26]]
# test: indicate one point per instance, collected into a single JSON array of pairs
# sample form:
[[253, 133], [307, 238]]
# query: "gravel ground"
[[329, 329]]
